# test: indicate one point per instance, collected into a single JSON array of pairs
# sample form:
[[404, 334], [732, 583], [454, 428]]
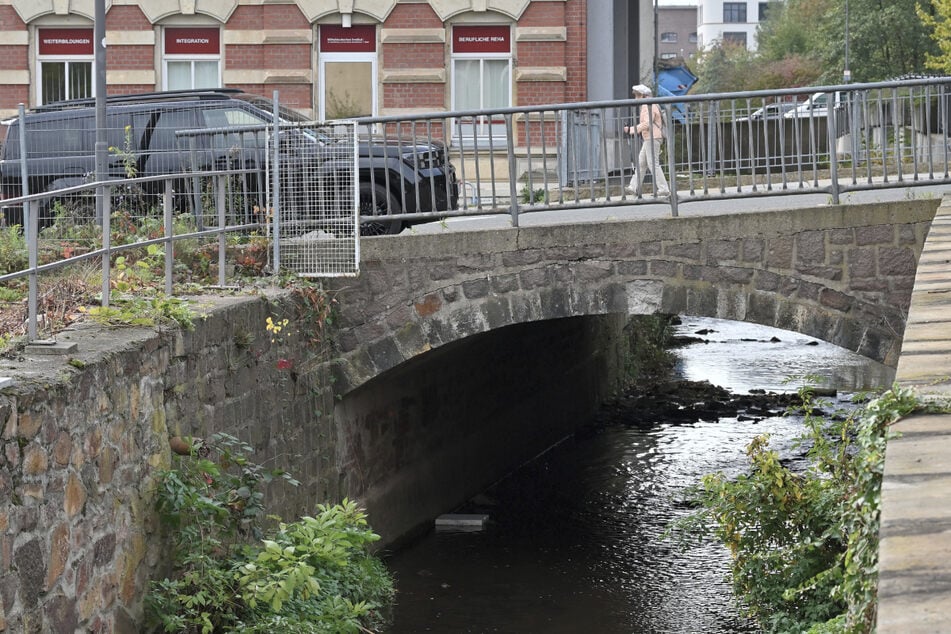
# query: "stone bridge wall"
[[81, 437], [842, 274]]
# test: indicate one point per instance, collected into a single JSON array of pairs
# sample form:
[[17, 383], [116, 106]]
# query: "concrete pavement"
[[914, 590]]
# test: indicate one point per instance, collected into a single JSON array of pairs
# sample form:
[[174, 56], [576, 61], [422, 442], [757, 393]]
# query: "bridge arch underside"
[[842, 274], [447, 342]]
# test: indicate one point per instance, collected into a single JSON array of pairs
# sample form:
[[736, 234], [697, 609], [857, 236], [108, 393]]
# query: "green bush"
[[13, 254], [804, 545], [229, 574]]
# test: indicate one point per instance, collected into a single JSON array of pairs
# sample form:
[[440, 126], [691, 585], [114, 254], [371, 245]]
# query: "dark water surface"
[[575, 541]]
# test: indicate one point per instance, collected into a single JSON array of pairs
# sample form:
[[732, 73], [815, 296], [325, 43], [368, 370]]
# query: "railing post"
[[169, 231], [833, 138], [106, 243], [671, 163], [220, 204], [276, 185], [513, 188], [30, 210]]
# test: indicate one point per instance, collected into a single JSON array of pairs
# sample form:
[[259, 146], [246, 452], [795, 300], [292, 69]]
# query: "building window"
[[734, 12], [763, 8], [692, 38], [481, 79], [65, 58], [730, 37], [669, 36], [348, 70], [192, 58]]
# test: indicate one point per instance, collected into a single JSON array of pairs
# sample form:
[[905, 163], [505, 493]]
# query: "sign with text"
[[193, 41], [360, 38], [481, 39], [65, 42]]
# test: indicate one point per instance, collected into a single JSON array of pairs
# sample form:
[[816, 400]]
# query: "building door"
[[481, 80], [65, 59], [348, 69]]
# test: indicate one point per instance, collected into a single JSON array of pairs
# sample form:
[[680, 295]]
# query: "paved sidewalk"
[[914, 590]]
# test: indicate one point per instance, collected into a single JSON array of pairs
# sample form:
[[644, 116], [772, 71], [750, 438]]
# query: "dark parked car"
[[145, 136]]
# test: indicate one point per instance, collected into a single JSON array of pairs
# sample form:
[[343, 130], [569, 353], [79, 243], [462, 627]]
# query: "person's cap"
[[640, 89]]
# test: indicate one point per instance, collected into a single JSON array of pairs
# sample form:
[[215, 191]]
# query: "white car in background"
[[817, 105]]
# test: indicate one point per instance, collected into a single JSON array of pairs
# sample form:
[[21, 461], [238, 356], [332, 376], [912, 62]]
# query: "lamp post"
[[846, 74]]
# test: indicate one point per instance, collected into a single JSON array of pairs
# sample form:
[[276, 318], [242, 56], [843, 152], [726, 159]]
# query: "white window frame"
[[188, 57], [484, 129], [68, 59], [348, 57]]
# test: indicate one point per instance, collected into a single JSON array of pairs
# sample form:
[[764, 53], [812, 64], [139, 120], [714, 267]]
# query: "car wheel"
[[376, 200]]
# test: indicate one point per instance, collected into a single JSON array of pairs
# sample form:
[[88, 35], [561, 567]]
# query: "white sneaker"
[[664, 194]]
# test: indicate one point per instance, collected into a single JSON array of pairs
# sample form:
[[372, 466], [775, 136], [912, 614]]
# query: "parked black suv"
[[395, 175]]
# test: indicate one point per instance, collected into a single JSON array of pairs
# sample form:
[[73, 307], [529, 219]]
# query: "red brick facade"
[[548, 46]]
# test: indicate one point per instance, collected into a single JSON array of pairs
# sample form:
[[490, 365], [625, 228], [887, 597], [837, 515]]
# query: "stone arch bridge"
[[843, 274]]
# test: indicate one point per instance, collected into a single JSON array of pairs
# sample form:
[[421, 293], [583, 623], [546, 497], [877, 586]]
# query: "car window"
[[68, 136], [217, 119]]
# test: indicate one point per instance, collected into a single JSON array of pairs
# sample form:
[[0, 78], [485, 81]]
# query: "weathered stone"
[[31, 570], [723, 250], [897, 261], [842, 236], [75, 497], [835, 299], [690, 251], [61, 612], [779, 253], [636, 268], [663, 268], [35, 460], [811, 247], [506, 283], [28, 425], [753, 249], [475, 289], [880, 234], [62, 449], [862, 262], [59, 554]]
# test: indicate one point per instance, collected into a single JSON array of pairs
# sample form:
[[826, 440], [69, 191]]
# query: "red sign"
[[65, 42], [200, 41], [360, 38], [481, 39]]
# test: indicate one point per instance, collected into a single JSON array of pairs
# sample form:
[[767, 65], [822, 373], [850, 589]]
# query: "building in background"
[[333, 58], [729, 22], [677, 29]]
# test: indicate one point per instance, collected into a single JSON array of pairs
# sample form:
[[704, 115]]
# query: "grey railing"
[[561, 156], [157, 209], [528, 159]]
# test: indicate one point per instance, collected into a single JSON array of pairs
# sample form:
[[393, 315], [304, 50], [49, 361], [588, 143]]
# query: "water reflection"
[[575, 543]]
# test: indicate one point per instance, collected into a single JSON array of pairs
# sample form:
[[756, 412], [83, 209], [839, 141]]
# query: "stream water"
[[575, 539]]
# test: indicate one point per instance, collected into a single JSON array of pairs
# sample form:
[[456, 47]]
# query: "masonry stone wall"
[[83, 436], [843, 274]]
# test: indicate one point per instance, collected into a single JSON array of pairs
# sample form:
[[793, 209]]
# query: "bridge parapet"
[[843, 274]]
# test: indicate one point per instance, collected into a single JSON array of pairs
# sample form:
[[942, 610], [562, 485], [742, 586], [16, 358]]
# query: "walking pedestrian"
[[650, 129]]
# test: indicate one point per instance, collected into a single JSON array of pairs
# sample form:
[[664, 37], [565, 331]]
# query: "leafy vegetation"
[[802, 42], [231, 574], [804, 545]]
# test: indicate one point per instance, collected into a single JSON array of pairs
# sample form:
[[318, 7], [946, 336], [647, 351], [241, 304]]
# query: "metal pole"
[[276, 185], [99, 35], [513, 187], [846, 74], [30, 210]]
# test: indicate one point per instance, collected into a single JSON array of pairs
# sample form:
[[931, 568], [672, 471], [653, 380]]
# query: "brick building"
[[331, 58]]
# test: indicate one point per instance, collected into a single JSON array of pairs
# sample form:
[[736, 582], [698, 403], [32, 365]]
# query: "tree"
[[886, 39], [938, 21]]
